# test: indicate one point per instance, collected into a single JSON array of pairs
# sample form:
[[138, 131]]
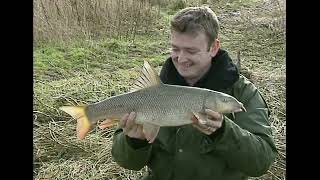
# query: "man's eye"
[[192, 52]]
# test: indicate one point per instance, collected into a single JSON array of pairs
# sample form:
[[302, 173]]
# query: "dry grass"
[[255, 28], [57, 152], [62, 156], [258, 32], [56, 20]]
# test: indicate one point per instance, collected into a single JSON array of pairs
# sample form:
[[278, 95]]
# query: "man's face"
[[191, 55]]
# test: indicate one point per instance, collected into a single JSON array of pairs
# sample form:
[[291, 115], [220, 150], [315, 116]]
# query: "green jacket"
[[242, 147]]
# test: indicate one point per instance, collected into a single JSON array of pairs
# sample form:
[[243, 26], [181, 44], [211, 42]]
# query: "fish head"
[[223, 103]]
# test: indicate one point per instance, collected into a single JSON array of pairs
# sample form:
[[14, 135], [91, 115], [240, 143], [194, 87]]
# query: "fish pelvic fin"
[[108, 123], [148, 78], [150, 131], [83, 123], [200, 117]]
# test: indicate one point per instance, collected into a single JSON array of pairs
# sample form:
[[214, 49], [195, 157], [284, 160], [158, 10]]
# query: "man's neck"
[[192, 82]]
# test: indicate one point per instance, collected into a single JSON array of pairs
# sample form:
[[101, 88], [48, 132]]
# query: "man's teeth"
[[187, 65]]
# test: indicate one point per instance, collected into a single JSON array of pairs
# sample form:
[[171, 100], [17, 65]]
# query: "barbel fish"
[[156, 105]]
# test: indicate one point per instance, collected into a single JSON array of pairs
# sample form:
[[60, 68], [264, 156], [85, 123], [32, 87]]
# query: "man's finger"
[[214, 124], [123, 121], [200, 118], [132, 131], [130, 121], [194, 119], [139, 129], [205, 126], [208, 132], [199, 122], [212, 114]]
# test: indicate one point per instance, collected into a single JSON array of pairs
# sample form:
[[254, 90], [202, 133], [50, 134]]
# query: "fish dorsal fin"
[[148, 78]]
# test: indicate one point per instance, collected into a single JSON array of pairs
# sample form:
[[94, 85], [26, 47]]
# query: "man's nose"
[[182, 57]]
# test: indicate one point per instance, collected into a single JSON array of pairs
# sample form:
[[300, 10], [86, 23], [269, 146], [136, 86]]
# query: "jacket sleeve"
[[128, 152], [247, 143]]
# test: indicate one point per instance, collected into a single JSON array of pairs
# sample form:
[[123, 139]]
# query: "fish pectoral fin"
[[148, 78], [201, 117], [83, 123], [108, 123], [150, 131]]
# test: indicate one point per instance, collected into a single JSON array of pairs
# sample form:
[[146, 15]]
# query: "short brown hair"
[[194, 19]]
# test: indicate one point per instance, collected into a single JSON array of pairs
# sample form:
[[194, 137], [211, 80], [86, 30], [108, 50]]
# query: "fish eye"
[[224, 100]]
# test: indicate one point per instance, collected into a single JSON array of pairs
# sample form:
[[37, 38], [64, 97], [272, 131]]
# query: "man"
[[226, 147]]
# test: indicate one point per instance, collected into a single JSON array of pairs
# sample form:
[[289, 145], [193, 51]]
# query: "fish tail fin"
[[83, 123], [150, 131]]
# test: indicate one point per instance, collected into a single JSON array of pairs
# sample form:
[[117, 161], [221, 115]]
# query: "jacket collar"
[[222, 74]]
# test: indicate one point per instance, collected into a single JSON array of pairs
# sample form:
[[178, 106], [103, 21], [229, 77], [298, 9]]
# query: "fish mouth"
[[242, 108]]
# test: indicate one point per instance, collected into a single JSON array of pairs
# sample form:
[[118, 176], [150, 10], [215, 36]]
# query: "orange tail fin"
[[83, 123]]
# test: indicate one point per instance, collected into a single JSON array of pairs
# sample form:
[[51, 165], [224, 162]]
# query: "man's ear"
[[215, 48]]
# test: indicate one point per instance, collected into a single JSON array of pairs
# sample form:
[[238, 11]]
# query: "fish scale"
[[164, 105]]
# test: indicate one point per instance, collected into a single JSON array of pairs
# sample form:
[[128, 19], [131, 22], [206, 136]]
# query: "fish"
[[156, 105]]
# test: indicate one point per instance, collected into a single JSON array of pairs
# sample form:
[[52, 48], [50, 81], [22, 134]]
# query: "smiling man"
[[225, 146], [191, 56]]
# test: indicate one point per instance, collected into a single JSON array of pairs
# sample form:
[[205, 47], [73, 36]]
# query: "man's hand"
[[210, 124], [130, 128]]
